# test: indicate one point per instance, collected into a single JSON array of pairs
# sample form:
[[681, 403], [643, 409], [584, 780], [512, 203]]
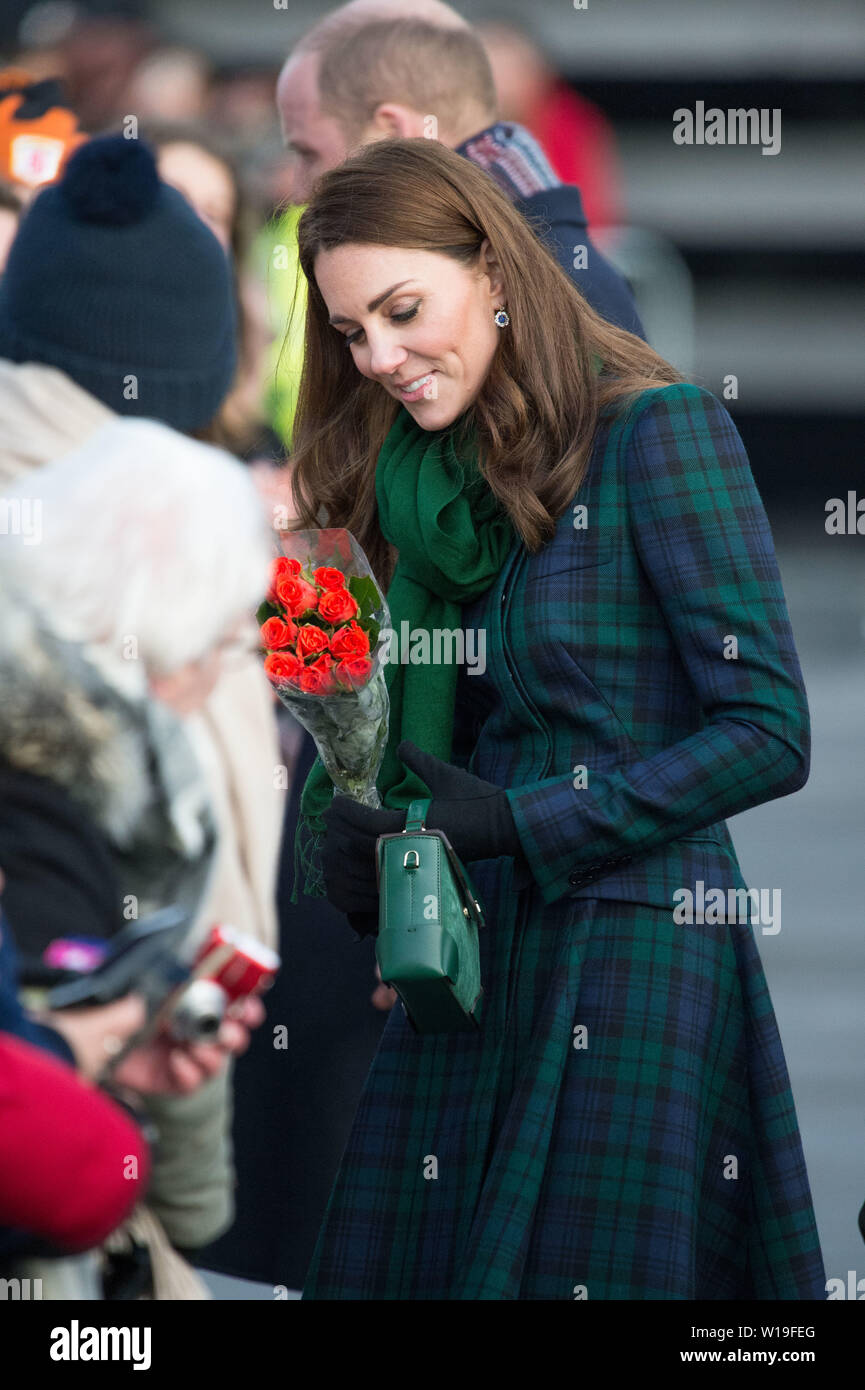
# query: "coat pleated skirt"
[[621, 1126]]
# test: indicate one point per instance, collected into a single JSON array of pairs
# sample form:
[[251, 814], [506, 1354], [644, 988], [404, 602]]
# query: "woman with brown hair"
[[621, 1124]]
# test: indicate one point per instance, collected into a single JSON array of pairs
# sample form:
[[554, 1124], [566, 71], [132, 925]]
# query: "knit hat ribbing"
[[114, 280]]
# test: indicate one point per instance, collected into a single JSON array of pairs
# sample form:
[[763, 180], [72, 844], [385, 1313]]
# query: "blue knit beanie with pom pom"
[[113, 279]]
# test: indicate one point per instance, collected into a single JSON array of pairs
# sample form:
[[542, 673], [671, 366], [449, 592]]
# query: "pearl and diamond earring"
[[502, 317]]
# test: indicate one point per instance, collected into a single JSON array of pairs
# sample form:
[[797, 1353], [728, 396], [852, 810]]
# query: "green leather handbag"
[[429, 916]]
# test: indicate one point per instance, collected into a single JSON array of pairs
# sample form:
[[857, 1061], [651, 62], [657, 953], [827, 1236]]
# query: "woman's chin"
[[431, 415]]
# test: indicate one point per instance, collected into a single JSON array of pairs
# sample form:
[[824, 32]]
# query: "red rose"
[[296, 595], [349, 641], [282, 568], [282, 668], [327, 578], [353, 672], [335, 605], [278, 633], [310, 640], [317, 677]]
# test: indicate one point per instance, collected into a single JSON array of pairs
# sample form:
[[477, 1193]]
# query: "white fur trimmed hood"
[[68, 715]]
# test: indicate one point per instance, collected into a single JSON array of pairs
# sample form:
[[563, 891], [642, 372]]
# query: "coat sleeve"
[[705, 545], [192, 1186]]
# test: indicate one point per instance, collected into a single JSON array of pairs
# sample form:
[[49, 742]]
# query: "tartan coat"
[[622, 1124]]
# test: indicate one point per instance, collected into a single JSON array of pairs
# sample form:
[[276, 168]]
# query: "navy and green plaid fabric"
[[622, 1126]]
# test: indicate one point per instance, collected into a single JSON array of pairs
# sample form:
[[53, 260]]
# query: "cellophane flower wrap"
[[320, 631]]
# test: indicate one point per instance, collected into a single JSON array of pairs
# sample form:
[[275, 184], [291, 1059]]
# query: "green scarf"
[[453, 538]]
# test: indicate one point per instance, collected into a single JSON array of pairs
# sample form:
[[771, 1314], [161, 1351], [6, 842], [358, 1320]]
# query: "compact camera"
[[229, 966], [186, 999]]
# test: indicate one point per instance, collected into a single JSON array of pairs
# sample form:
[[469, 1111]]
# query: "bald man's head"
[[361, 11], [376, 68]]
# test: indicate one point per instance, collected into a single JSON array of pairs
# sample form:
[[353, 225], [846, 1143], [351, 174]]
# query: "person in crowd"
[[198, 166], [34, 849], [72, 1163], [169, 84], [514, 464], [190, 160], [117, 300], [106, 652], [97, 50], [379, 68]]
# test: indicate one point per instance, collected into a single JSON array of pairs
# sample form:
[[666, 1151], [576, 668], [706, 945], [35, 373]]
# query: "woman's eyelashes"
[[394, 318], [408, 313]]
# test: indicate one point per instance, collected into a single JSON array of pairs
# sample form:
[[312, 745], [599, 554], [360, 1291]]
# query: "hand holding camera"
[[145, 1020]]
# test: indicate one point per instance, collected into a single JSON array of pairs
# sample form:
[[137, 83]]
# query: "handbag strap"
[[414, 820], [417, 813]]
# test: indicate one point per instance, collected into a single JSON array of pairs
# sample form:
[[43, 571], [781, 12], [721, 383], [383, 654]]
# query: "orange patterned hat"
[[38, 132]]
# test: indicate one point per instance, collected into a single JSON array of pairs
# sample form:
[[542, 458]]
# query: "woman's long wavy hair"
[[540, 404]]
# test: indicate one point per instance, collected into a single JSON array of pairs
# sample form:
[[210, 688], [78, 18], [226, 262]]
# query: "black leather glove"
[[475, 815], [348, 857]]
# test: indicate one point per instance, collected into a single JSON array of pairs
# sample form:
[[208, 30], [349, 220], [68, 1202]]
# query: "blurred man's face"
[[316, 140]]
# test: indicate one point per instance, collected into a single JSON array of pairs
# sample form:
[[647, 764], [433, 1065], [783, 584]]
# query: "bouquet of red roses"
[[320, 627]]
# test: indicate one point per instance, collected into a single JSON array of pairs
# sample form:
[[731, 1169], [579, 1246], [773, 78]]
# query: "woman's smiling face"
[[417, 322]]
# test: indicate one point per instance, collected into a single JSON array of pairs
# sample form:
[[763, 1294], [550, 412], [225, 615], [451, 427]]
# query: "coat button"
[[574, 879]]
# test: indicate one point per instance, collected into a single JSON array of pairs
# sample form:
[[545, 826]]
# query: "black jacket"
[[294, 1105], [60, 877]]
